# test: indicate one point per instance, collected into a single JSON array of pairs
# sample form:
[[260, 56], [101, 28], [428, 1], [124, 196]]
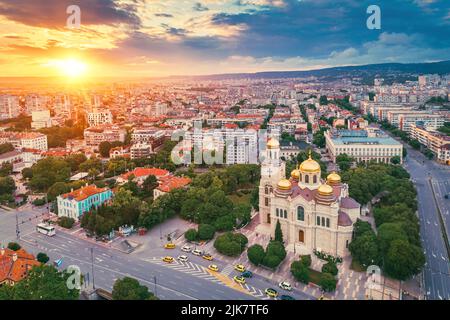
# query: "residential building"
[[98, 117], [95, 135], [40, 119], [15, 265], [30, 140], [9, 107], [437, 142], [169, 183], [140, 174], [140, 150]]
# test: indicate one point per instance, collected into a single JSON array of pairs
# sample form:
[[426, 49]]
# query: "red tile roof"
[[84, 192], [143, 172], [15, 270], [172, 182]]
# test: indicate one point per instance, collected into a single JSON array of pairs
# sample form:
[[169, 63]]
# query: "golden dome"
[[284, 184], [333, 178], [325, 190], [273, 144], [310, 165], [295, 174]]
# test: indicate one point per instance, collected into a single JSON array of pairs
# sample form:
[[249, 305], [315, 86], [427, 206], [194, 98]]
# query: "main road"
[[104, 265], [432, 183]]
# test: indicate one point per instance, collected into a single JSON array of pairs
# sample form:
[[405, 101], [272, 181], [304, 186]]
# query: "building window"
[[323, 222], [285, 214], [328, 222], [266, 202], [318, 221], [314, 179], [306, 179], [267, 190], [278, 212], [300, 214]]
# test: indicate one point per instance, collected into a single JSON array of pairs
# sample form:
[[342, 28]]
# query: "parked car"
[[186, 248], [247, 274], [285, 285]]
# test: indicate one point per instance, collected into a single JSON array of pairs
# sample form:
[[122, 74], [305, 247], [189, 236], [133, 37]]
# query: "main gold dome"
[[333, 178], [325, 190], [284, 184], [310, 165], [273, 144]]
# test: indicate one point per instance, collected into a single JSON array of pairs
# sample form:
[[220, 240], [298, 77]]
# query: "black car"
[[286, 297]]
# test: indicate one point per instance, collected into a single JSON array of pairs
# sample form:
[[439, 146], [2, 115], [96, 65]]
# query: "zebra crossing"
[[186, 267], [201, 272]]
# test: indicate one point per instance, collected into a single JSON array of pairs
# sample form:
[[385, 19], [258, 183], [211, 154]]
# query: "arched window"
[[300, 213], [267, 190], [306, 179], [328, 222], [314, 179], [277, 212], [323, 222], [285, 214], [318, 221]]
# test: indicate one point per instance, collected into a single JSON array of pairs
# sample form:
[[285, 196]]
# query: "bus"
[[46, 229]]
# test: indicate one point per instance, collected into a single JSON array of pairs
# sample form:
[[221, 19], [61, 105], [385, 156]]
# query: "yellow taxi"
[[239, 279], [213, 267], [169, 246], [207, 257], [271, 292], [322, 297], [167, 259], [239, 267]]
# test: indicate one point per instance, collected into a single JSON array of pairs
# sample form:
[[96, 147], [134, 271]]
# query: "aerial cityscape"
[[225, 150]]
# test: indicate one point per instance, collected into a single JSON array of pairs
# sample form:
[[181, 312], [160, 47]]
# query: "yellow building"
[[314, 214]]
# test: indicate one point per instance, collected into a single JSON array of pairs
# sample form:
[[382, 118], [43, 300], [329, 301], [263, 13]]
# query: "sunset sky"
[[146, 38]]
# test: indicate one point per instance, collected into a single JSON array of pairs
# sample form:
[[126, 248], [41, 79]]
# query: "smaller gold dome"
[[284, 184], [295, 174], [273, 144], [333, 178], [310, 165], [325, 190]]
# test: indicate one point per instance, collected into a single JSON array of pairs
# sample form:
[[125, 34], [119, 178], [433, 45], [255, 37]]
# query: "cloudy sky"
[[177, 37]]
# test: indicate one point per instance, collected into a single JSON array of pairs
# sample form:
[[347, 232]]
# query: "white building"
[[9, 107], [97, 118], [41, 119]]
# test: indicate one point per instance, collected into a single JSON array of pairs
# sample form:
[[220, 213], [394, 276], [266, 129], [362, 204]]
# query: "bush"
[[225, 223], [231, 244], [256, 254], [191, 235], [271, 261], [277, 249], [306, 260], [42, 258], [66, 222], [331, 268], [14, 246], [327, 282], [206, 232], [300, 271], [39, 202]]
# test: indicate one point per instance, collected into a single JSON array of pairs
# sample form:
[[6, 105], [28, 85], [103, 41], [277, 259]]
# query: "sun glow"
[[71, 68]]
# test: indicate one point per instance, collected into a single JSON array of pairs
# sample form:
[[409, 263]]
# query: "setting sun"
[[72, 68]]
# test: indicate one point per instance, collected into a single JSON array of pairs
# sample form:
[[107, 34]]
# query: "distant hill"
[[385, 70]]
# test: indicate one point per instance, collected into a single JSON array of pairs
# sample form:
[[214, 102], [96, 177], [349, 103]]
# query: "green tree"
[[364, 248], [43, 282], [42, 258], [206, 232], [256, 254], [6, 147], [66, 222], [403, 260], [149, 184], [14, 246], [104, 147], [278, 232], [230, 244], [327, 282], [300, 272], [330, 267], [130, 289], [396, 160], [7, 185], [344, 161], [191, 235]]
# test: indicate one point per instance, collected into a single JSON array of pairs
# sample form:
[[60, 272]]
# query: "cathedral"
[[314, 214]]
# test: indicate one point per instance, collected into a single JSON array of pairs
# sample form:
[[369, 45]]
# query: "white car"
[[186, 248], [197, 252], [183, 258], [285, 285]]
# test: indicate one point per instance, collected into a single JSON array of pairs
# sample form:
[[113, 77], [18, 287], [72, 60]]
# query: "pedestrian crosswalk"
[[227, 270]]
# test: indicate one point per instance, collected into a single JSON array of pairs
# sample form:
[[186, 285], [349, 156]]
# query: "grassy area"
[[315, 276], [236, 199], [356, 266]]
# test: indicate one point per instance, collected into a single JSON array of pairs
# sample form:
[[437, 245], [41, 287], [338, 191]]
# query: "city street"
[[424, 174]]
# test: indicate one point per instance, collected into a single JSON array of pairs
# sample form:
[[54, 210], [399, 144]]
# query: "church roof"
[[344, 220], [349, 203]]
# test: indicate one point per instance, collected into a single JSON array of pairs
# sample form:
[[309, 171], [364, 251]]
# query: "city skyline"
[[153, 39]]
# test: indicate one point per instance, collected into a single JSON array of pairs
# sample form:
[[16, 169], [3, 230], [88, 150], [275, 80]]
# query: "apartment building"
[[362, 146], [40, 119], [437, 142], [97, 117], [29, 140], [95, 135], [9, 107]]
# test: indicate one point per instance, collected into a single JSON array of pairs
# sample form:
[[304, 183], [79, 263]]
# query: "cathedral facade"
[[314, 214]]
